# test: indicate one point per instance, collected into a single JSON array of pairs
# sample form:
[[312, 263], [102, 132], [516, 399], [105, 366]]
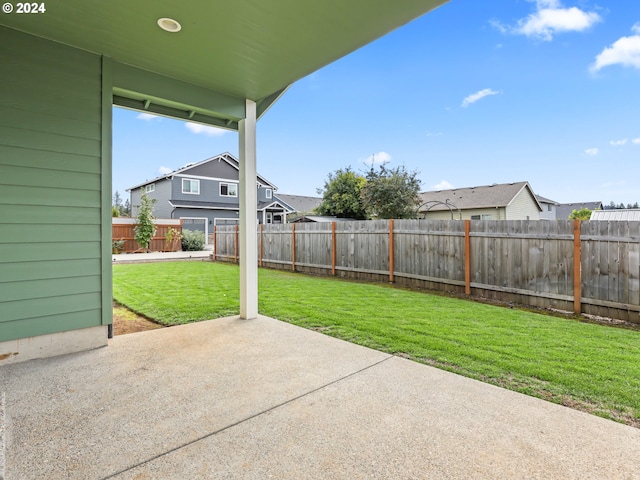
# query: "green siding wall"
[[51, 188]]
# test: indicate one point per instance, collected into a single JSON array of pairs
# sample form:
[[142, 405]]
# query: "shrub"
[[192, 241]]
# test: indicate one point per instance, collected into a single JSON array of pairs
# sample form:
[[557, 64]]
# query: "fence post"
[[235, 243], [577, 275], [391, 250], [293, 247], [215, 243], [260, 257], [333, 248], [467, 257]]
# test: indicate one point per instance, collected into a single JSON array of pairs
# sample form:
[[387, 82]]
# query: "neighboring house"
[[507, 201], [628, 215], [549, 208], [205, 194], [301, 205], [563, 210]]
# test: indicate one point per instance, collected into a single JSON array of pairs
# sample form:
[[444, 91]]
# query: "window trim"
[[150, 188], [228, 184], [190, 180], [268, 193]]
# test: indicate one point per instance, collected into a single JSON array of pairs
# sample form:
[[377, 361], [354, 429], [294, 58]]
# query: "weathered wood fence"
[[123, 228], [585, 267]]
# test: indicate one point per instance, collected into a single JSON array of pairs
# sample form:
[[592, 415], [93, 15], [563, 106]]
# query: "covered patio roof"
[[230, 51]]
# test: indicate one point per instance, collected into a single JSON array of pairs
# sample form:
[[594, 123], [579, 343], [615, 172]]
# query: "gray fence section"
[[526, 262]]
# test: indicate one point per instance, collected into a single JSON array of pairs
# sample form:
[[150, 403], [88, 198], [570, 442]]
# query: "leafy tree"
[[146, 229], [582, 214], [114, 211], [391, 193], [341, 195]]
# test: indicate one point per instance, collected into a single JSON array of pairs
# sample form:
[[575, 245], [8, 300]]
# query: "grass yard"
[[590, 367]]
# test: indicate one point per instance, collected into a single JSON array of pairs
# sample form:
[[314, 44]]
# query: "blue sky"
[[473, 93]]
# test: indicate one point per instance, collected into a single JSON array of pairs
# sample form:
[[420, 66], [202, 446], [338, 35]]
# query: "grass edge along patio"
[[590, 367]]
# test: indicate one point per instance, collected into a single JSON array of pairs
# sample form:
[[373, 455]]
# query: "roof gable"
[[485, 196], [223, 165]]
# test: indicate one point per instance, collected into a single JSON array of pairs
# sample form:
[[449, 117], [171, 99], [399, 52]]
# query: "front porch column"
[[248, 214]]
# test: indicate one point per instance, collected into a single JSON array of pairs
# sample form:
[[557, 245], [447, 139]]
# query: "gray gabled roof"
[[301, 203], [542, 199], [485, 196], [563, 210], [227, 157]]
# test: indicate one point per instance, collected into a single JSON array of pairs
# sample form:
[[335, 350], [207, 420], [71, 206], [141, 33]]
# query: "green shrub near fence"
[[192, 241]]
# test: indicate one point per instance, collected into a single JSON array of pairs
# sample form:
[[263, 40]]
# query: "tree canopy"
[[582, 214], [391, 193], [341, 195], [382, 193]]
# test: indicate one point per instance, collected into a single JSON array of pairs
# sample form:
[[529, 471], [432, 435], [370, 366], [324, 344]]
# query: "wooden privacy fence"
[[123, 228], [585, 267]]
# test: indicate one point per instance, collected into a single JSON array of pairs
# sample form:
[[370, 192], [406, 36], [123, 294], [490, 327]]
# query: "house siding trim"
[[106, 187]]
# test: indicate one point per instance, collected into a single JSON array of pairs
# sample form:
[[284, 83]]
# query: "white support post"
[[248, 214]]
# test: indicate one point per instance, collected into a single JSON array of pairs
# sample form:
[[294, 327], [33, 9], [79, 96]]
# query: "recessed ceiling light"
[[169, 25]]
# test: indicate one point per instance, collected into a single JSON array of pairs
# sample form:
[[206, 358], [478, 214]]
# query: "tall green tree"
[[341, 195], [391, 193], [146, 228]]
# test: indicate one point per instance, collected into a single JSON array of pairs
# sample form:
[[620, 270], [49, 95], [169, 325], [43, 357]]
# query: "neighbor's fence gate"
[[585, 267]]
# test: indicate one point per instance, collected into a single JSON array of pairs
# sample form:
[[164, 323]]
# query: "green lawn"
[[591, 367]]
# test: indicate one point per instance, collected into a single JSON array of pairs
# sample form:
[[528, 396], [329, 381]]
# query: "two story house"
[[205, 194]]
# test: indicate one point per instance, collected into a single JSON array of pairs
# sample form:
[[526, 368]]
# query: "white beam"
[[248, 214]]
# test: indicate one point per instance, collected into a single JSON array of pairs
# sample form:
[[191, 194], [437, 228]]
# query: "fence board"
[[159, 243], [527, 262]]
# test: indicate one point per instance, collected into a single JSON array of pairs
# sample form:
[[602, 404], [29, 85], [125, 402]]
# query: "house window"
[[150, 188], [267, 193], [190, 186], [548, 207], [475, 217], [486, 216], [228, 190]]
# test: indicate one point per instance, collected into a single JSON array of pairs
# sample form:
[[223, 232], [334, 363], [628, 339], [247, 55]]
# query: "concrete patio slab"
[[263, 399]]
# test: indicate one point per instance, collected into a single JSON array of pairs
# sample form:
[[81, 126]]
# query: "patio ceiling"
[[240, 49]]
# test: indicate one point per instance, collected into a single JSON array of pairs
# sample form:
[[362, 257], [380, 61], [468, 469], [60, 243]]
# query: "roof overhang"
[[225, 52]]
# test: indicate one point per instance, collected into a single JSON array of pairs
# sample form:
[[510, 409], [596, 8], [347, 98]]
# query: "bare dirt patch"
[[125, 321]]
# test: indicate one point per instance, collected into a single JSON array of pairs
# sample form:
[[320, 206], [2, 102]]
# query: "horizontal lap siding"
[[50, 187]]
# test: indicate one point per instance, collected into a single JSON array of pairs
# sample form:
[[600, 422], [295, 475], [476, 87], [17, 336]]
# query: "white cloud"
[[473, 98], [443, 185], [164, 170], [434, 134], [592, 151], [624, 51], [148, 117], [549, 19], [636, 141], [198, 128], [618, 143], [377, 158]]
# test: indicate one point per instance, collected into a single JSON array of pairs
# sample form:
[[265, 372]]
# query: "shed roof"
[[485, 196], [629, 215]]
